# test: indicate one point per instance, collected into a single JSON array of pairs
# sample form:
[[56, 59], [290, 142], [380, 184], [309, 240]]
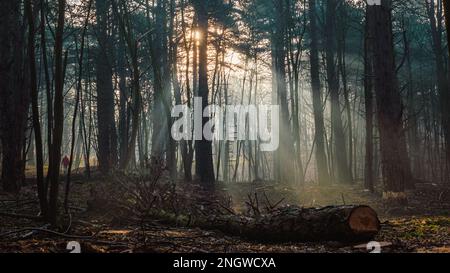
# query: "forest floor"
[[423, 227]]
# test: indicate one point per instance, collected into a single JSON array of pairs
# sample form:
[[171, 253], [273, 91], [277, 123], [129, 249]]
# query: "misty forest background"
[[364, 92]]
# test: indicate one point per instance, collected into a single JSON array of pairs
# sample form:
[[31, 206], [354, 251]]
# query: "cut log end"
[[364, 221]]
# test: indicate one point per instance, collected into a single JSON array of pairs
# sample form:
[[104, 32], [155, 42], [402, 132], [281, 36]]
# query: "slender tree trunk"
[[339, 145], [48, 88], [126, 30], [321, 160], [86, 131], [123, 117], [59, 114], [187, 150], [368, 99], [342, 64], [77, 103], [286, 150], [35, 110], [413, 137]]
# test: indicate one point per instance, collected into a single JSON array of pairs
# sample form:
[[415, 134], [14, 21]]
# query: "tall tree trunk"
[[394, 156], [443, 78], [125, 26], [14, 96], [137, 100], [160, 132], [123, 111], [285, 153], [172, 71], [86, 131], [203, 148], [339, 145], [162, 142], [77, 103], [59, 114], [321, 159], [48, 87], [295, 51], [342, 67], [369, 176], [187, 149], [413, 134], [34, 94], [107, 138]]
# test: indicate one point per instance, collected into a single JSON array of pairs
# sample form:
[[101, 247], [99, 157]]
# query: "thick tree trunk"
[[107, 138], [14, 96], [394, 155], [160, 130], [442, 77], [203, 148], [321, 159]]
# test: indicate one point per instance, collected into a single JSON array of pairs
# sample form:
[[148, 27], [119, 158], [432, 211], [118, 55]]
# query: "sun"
[[198, 35]]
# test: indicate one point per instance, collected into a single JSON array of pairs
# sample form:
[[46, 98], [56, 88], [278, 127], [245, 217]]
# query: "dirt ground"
[[424, 226]]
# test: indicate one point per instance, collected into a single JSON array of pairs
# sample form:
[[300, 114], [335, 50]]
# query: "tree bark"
[[124, 124], [368, 102], [160, 131], [107, 138], [34, 94], [203, 148], [321, 159], [339, 145], [285, 158], [342, 68], [394, 156], [59, 114], [125, 26], [413, 112], [443, 79], [296, 224], [14, 95]]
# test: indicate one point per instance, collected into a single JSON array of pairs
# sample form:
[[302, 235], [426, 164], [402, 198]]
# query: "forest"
[[316, 126]]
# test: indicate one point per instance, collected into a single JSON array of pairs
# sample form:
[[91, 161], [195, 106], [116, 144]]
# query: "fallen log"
[[296, 224]]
